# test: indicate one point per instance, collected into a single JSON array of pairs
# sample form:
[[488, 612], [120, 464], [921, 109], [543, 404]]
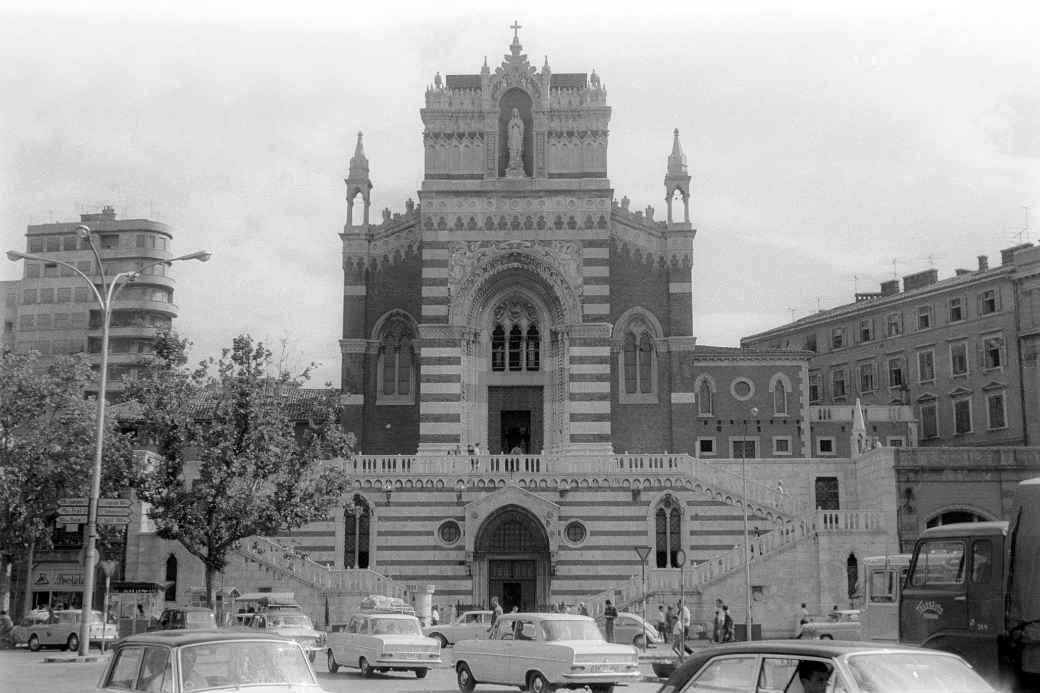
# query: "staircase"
[[661, 584], [328, 595]]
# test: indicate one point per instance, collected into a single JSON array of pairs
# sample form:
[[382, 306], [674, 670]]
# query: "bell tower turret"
[[358, 183], [677, 179]]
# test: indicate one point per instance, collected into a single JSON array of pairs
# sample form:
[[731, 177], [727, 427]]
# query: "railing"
[[872, 413], [278, 556], [767, 544], [566, 471]]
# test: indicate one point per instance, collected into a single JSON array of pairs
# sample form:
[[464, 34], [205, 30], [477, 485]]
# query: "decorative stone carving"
[[516, 312]]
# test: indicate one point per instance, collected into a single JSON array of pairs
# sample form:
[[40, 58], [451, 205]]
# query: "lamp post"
[[680, 560], [644, 553], [104, 297], [747, 539]]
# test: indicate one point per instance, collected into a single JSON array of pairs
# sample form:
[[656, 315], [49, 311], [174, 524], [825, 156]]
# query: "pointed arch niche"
[[667, 529], [635, 340]]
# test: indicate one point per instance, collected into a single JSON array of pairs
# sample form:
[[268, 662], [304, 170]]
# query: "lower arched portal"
[[511, 560]]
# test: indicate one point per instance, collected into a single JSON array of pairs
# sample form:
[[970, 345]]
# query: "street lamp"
[[644, 553], [104, 298], [680, 560], [747, 539]]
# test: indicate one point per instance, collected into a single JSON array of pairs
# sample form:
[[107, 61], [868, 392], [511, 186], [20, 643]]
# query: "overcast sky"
[[824, 142]]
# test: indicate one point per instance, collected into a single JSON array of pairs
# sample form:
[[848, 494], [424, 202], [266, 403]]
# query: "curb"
[[74, 659]]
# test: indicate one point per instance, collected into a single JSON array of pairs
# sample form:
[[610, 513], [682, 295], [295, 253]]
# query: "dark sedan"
[[795, 666]]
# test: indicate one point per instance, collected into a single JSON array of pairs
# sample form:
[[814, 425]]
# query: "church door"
[[512, 555]]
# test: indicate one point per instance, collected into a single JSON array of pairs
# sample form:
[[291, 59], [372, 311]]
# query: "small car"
[[383, 642], [470, 625], [848, 667], [61, 629], [545, 651], [629, 628], [185, 617], [286, 619], [175, 661], [839, 625]]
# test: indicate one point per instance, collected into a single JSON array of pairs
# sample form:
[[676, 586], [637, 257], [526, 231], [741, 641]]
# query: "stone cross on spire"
[[516, 27]]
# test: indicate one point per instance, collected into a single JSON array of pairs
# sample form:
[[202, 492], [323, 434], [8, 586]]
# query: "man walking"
[[716, 629], [496, 612], [609, 614], [684, 617]]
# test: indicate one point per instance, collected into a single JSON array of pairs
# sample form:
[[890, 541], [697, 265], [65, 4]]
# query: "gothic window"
[[516, 351], [396, 363], [638, 363], [668, 525], [498, 349], [357, 518], [705, 398], [533, 348], [779, 398], [515, 340]]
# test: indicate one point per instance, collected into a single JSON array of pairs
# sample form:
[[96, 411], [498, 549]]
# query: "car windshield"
[[571, 630], [914, 672], [395, 626], [283, 620], [217, 665]]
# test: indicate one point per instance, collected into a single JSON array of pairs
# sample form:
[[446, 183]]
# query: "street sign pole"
[[644, 553]]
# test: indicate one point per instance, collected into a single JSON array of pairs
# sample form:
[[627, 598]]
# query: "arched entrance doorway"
[[511, 559]]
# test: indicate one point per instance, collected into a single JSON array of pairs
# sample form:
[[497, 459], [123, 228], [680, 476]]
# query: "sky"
[[831, 145]]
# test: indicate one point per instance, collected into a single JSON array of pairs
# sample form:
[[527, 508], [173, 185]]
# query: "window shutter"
[[978, 305], [1003, 353], [996, 297], [982, 354]]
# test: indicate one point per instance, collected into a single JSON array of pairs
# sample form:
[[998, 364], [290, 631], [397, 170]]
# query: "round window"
[[575, 532], [449, 532], [742, 389]]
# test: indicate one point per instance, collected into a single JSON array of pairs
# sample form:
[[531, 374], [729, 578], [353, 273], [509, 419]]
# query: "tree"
[[241, 451], [47, 450]]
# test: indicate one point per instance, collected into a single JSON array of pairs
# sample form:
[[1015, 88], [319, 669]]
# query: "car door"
[[524, 650], [725, 674]]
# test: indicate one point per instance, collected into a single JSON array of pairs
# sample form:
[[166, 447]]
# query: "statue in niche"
[[515, 143]]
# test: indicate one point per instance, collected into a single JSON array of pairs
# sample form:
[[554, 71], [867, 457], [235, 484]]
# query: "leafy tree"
[[47, 431], [241, 451]]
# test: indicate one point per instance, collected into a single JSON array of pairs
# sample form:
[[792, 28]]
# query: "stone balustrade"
[[566, 472]]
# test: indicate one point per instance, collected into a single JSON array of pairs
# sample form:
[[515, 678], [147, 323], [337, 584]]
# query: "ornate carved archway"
[[512, 558]]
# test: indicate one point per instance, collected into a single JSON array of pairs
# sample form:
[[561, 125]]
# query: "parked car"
[[775, 665], [174, 661], [839, 625], [61, 629], [541, 652], [383, 642], [20, 633], [185, 618], [277, 613], [629, 628], [470, 625]]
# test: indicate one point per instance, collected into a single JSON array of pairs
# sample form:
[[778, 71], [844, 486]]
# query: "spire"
[[359, 162], [358, 183], [515, 46], [677, 159], [677, 179]]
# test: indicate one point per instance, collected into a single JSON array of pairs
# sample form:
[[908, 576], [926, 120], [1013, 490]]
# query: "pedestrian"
[[496, 611], [717, 622], [609, 614], [669, 623], [661, 623], [727, 625], [6, 626], [582, 609], [435, 616], [803, 617], [684, 617]]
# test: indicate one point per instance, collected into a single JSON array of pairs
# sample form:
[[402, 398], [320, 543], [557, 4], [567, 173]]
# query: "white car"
[[542, 652], [383, 642], [471, 625], [61, 629]]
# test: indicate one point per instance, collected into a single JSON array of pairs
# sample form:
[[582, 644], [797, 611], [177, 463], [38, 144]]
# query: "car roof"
[[188, 608], [387, 614], [177, 638], [550, 616], [966, 529]]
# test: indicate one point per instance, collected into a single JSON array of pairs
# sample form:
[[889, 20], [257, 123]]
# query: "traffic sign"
[[81, 500], [118, 512], [113, 520], [72, 519], [108, 503]]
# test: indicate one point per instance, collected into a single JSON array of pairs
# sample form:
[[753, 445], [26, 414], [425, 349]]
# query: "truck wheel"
[[537, 683], [421, 673], [333, 666], [34, 643], [826, 637], [465, 679], [73, 643], [366, 669]]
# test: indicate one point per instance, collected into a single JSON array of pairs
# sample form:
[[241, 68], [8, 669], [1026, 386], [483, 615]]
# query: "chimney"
[[983, 263], [919, 279], [1008, 254], [960, 272], [890, 288]]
